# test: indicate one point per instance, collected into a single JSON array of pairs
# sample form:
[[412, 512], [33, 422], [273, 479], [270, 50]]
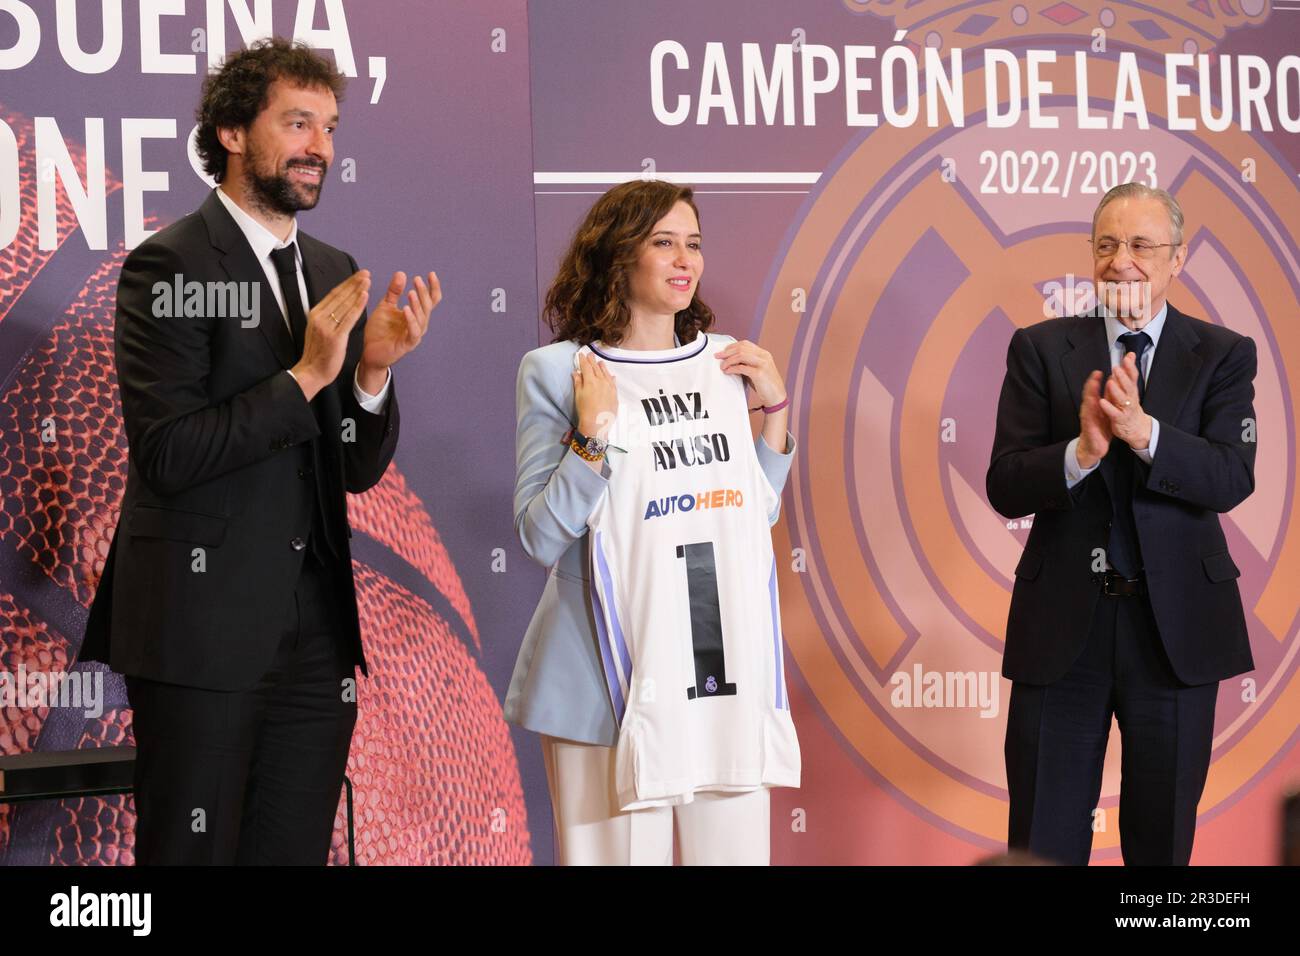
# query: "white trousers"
[[714, 829]]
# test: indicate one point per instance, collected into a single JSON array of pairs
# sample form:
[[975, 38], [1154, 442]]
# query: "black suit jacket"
[[1200, 388], [219, 438]]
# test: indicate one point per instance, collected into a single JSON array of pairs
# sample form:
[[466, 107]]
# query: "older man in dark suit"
[[227, 598], [1126, 433]]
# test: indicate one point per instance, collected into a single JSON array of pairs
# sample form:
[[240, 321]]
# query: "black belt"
[[1116, 585]]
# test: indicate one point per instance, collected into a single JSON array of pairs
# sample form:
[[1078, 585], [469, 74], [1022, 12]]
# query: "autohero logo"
[[76, 909], [701, 501]]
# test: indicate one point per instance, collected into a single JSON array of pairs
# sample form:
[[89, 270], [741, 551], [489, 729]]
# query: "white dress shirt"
[[264, 242], [1114, 329]]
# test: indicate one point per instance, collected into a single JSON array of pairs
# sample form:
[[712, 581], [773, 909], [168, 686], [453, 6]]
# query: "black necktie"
[[286, 267], [1122, 551]]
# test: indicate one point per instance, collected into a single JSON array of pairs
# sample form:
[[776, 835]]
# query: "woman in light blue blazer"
[[629, 279]]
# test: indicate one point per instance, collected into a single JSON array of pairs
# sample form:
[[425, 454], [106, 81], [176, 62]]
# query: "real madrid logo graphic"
[[915, 281]]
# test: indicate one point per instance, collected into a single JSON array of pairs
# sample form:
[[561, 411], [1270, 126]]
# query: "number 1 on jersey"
[[706, 622]]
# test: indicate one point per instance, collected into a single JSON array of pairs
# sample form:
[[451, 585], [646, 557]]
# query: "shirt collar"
[[259, 237], [1115, 328]]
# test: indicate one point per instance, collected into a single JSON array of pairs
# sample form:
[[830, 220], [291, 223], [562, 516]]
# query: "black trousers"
[[252, 776], [1056, 742]]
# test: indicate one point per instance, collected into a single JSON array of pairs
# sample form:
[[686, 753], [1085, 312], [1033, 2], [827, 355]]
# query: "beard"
[[274, 192]]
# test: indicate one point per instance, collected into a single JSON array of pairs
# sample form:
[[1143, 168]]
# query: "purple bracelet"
[[769, 409]]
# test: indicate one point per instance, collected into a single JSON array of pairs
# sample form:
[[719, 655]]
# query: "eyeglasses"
[[1138, 248]]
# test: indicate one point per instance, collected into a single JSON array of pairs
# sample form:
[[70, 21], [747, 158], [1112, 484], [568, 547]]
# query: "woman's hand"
[[595, 396], [758, 368]]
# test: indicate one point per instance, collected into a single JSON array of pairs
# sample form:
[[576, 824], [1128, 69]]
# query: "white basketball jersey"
[[684, 584]]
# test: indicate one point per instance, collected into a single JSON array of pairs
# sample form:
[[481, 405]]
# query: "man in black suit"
[[1125, 600], [227, 598]]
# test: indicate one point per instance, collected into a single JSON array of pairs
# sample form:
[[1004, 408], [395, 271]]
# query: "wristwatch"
[[592, 449]]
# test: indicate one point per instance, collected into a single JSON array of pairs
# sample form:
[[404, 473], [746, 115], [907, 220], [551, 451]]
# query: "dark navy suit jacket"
[[1200, 388]]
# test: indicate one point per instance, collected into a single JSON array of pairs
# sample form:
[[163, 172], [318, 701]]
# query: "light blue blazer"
[[558, 687]]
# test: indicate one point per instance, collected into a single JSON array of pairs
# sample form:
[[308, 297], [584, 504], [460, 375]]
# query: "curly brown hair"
[[587, 302], [235, 93]]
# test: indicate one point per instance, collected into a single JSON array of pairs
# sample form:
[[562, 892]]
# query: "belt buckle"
[[1111, 581]]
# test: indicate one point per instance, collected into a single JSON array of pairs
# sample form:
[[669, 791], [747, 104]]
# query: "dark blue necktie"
[[1137, 342], [1122, 551]]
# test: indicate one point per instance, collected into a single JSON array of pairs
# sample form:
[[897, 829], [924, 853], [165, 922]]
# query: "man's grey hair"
[[1140, 191]]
